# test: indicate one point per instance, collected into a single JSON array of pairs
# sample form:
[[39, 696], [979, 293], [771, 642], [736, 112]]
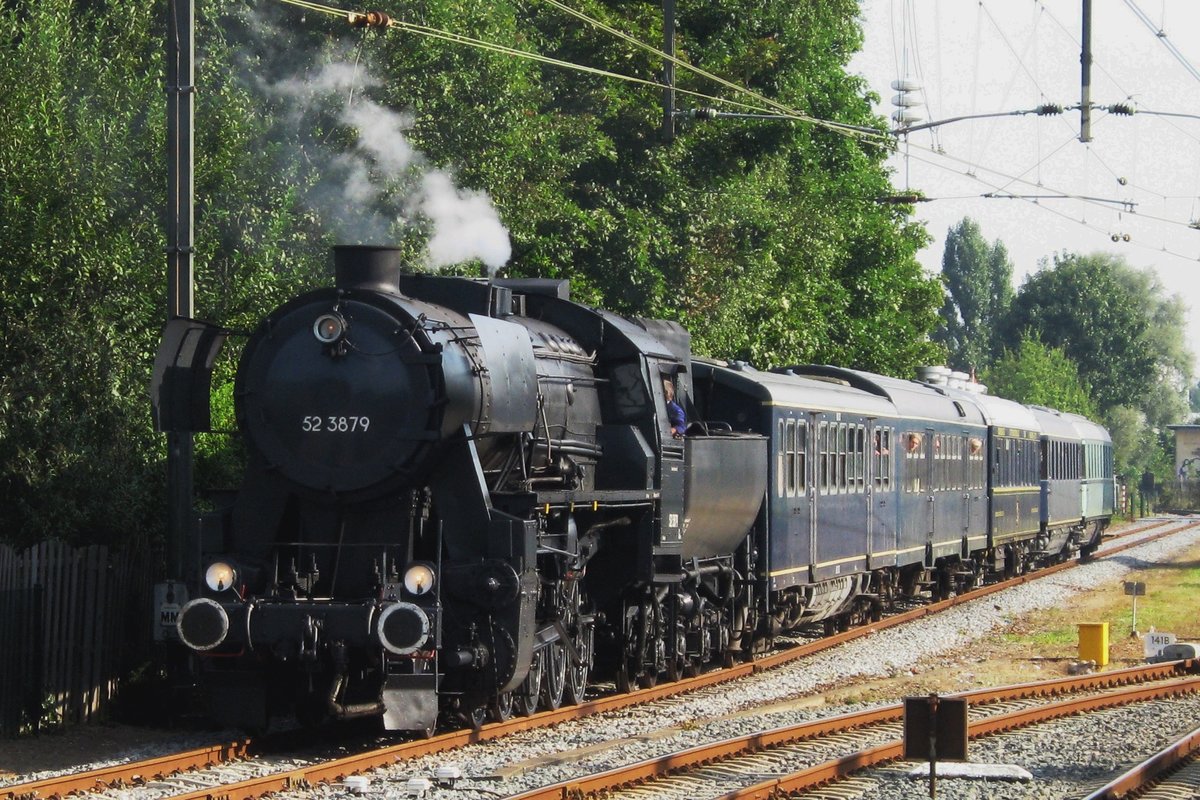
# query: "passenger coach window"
[[823, 455], [791, 466], [781, 462], [914, 460], [860, 457], [790, 440], [801, 456], [975, 448], [883, 458], [842, 449]]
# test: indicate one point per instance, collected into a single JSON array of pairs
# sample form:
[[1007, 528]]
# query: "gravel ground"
[[572, 749], [535, 758], [1098, 746]]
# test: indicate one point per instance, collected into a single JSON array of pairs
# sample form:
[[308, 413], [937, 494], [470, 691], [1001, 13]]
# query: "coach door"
[[884, 520], [928, 470]]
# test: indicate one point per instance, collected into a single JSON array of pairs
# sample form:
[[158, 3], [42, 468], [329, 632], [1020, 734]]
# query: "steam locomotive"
[[466, 498]]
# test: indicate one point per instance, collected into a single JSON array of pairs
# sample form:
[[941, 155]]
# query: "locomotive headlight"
[[329, 328], [220, 575], [418, 579]]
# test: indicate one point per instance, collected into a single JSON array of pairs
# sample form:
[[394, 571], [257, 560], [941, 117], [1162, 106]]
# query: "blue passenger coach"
[[831, 510], [880, 488], [1061, 455], [1077, 487], [1098, 486]]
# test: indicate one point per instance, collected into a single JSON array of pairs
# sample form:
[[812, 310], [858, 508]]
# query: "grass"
[[1041, 644]]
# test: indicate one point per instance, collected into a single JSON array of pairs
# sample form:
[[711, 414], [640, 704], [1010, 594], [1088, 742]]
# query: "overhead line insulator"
[[368, 19]]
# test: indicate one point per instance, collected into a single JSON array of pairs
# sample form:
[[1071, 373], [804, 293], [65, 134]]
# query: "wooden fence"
[[72, 623]]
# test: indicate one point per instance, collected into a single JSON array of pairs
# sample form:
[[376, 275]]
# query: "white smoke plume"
[[383, 180], [465, 224]]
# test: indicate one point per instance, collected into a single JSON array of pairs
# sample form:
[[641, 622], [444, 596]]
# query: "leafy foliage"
[[77, 456], [764, 237], [978, 293], [1127, 338], [1117, 325], [1039, 375], [82, 286]]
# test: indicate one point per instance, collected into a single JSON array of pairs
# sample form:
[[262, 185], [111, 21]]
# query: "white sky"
[[985, 56]]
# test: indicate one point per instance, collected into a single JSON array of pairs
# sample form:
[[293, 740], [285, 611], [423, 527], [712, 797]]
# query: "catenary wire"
[[1161, 35], [424, 30], [837, 127]]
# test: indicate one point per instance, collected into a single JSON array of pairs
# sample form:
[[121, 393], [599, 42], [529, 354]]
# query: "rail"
[[338, 769]]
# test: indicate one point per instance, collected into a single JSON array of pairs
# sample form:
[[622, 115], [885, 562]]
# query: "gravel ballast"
[[771, 699]]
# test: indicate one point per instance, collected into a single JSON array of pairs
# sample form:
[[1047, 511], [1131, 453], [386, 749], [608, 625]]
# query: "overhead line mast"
[[1085, 77], [181, 91]]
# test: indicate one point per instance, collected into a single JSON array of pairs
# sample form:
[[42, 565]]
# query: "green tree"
[[1117, 324], [765, 238], [1137, 446], [1039, 375], [82, 275], [979, 292]]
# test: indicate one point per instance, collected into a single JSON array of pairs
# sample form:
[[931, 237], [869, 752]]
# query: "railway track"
[[1172, 773], [867, 738], [332, 770]]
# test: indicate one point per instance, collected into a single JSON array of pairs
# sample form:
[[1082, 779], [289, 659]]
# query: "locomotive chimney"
[[365, 266]]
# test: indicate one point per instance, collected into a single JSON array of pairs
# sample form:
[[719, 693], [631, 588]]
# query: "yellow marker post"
[[1093, 642]]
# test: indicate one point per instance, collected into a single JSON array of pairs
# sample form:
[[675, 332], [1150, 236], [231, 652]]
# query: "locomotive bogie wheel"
[[555, 677], [475, 717], [500, 709], [647, 680]]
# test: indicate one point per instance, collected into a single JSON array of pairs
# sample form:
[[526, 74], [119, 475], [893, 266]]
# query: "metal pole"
[[181, 77], [1085, 78], [668, 126], [933, 713]]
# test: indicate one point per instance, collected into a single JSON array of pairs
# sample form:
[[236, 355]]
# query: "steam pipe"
[[354, 710]]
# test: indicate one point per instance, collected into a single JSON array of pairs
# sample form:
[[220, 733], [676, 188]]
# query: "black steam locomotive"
[[471, 497]]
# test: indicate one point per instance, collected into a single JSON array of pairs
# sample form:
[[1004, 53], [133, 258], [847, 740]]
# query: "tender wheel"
[[555, 677], [624, 685], [525, 698], [647, 681], [645, 649]]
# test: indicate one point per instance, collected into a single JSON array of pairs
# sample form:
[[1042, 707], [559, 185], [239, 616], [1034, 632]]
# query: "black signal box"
[[935, 728]]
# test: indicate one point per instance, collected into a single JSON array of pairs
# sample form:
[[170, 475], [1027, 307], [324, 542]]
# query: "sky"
[[986, 56]]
